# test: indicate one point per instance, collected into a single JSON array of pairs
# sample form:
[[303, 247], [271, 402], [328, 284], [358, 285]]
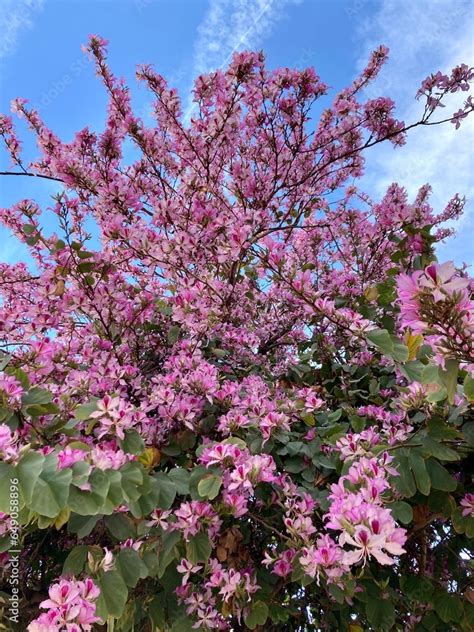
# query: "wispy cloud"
[[423, 37], [233, 25], [15, 16]]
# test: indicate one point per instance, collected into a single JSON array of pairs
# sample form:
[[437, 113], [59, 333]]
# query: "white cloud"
[[423, 37], [230, 26], [15, 16]]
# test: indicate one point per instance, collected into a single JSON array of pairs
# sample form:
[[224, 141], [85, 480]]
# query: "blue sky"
[[41, 59]]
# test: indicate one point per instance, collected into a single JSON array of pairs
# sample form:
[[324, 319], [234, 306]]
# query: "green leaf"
[[440, 477], [449, 377], [113, 595], [199, 548], [157, 611], [402, 512], [209, 486], [257, 615], [82, 525], [422, 479], [468, 432], [173, 334], [469, 388], [180, 478], [417, 588], [167, 490], [121, 526], [132, 442], [381, 613], [439, 450], [7, 474], [28, 469], [388, 344], [36, 395], [51, 492], [131, 566], [76, 560], [404, 482], [448, 607], [88, 503], [84, 411], [168, 551]]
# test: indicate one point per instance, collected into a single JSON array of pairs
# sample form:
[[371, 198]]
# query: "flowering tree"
[[248, 408]]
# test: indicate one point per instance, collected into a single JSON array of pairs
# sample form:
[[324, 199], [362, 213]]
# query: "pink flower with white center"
[[106, 406], [107, 457], [235, 503], [325, 557], [159, 519], [467, 503], [46, 622], [108, 562], [63, 593], [273, 421], [224, 454], [71, 607], [191, 516], [11, 390], [284, 564], [69, 456], [442, 281], [369, 544], [8, 450], [210, 619], [357, 444], [187, 568]]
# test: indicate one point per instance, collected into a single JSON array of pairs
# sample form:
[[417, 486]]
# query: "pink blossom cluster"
[[357, 512], [10, 391], [230, 586], [426, 297], [70, 607], [8, 444]]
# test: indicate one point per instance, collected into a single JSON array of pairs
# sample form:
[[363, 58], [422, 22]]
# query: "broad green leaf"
[[89, 503], [121, 526], [29, 468], [402, 512], [51, 491], [131, 566], [469, 388], [422, 479], [82, 525], [440, 477], [404, 482], [417, 588], [168, 551], [209, 486], [199, 548], [381, 613], [167, 490], [180, 478], [468, 432], [84, 411], [36, 395], [257, 615], [448, 607], [7, 475], [113, 595], [132, 442], [439, 450], [449, 378], [76, 560]]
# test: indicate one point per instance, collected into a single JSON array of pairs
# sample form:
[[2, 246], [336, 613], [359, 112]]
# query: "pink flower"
[[187, 568], [468, 505]]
